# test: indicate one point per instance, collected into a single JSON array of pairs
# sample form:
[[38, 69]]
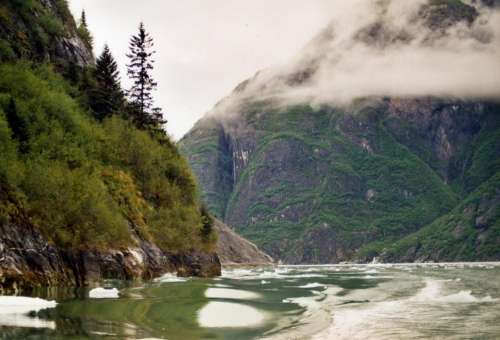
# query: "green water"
[[460, 301]]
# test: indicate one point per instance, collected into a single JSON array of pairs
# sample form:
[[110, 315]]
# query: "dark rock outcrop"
[[27, 261]]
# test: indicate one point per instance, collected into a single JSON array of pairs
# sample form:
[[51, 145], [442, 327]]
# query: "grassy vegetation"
[[85, 184]]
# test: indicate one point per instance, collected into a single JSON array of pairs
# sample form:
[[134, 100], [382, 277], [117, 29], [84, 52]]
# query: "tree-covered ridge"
[[84, 183], [74, 161]]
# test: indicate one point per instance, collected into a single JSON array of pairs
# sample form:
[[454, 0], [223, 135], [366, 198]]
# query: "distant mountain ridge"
[[407, 176]]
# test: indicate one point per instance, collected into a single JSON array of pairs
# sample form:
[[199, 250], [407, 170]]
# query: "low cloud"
[[388, 48]]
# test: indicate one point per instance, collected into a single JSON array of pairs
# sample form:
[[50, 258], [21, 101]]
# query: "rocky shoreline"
[[28, 261]]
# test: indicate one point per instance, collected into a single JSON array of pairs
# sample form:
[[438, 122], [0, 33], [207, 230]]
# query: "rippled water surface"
[[450, 301]]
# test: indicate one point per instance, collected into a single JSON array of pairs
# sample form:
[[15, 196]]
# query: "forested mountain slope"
[[348, 154]]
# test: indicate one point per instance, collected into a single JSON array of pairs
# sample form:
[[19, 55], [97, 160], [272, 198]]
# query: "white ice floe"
[[14, 310], [23, 305], [169, 277], [103, 293]]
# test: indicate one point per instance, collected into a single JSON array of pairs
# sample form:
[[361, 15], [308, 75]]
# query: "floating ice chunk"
[[23, 305], [103, 293]]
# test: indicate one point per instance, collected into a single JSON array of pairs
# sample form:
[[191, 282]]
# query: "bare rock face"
[[234, 249], [75, 50], [28, 261]]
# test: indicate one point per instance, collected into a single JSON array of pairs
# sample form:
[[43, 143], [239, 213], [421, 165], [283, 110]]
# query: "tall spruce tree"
[[107, 98], [84, 32], [145, 114]]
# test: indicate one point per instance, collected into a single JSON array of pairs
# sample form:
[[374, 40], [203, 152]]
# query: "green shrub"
[[51, 25], [73, 207], [6, 52], [85, 184]]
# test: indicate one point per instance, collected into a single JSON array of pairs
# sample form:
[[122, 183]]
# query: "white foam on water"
[[103, 293], [13, 310], [169, 277], [276, 273], [264, 282], [373, 320], [313, 285], [237, 273], [226, 293], [433, 292], [229, 315]]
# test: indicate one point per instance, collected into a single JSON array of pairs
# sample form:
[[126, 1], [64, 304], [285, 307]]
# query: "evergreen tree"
[[83, 30], [141, 63], [107, 97], [83, 20]]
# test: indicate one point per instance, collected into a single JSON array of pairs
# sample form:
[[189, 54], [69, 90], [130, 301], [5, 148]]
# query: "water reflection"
[[281, 303]]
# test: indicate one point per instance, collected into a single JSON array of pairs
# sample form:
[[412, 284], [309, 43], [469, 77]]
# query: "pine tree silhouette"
[[145, 114]]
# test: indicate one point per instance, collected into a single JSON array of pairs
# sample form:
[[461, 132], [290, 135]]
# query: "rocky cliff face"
[[314, 181], [42, 30], [28, 260], [318, 187]]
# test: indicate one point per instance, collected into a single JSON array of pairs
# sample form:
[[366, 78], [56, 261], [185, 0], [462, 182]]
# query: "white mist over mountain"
[[388, 48]]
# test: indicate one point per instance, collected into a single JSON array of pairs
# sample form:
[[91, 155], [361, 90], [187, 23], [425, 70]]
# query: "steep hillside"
[[318, 166], [42, 30], [235, 250], [83, 199]]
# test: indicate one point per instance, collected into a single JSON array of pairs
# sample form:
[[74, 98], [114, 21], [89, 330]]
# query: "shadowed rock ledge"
[[234, 249], [28, 261]]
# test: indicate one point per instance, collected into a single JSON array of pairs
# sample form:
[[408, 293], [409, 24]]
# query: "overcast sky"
[[204, 48]]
